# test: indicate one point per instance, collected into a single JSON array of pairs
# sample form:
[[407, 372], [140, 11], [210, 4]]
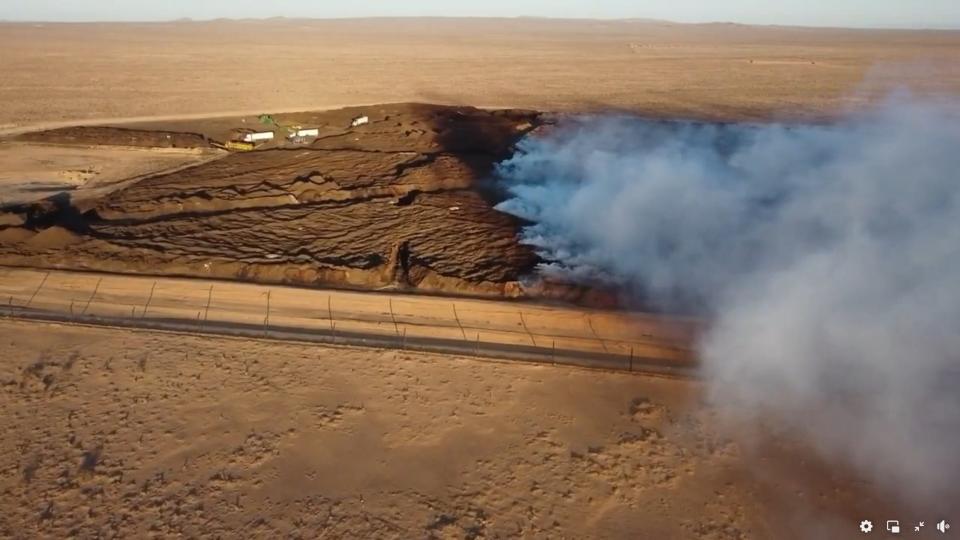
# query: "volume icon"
[[943, 526]]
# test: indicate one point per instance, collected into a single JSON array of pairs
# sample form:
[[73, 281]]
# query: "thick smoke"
[[826, 258]]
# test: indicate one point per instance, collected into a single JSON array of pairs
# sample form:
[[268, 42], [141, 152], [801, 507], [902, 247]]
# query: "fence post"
[[206, 310], [149, 299], [36, 292], [631, 358], [393, 317], [457, 318], [330, 313], [553, 353], [476, 350], [529, 333], [595, 334], [92, 296]]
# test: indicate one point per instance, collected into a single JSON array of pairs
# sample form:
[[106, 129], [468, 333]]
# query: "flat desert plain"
[[121, 434], [67, 72]]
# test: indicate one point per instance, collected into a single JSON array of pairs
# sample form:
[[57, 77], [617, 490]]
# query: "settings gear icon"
[[866, 526]]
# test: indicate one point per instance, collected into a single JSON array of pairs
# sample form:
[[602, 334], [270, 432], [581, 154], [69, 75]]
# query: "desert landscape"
[[121, 434], [335, 332], [709, 71]]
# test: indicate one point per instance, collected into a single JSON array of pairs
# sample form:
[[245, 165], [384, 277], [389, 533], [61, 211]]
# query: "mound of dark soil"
[[399, 202], [116, 136]]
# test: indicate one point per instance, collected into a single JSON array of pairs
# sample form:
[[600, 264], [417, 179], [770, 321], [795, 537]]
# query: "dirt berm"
[[401, 202]]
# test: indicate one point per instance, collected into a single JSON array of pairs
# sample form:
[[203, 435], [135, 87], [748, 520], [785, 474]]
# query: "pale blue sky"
[[856, 13]]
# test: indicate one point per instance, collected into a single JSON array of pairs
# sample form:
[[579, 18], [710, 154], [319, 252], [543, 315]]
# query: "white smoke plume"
[[826, 259]]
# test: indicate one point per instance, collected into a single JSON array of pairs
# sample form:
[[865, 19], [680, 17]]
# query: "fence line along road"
[[486, 328]]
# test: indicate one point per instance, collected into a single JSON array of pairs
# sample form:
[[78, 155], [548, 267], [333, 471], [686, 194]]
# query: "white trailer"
[[258, 136]]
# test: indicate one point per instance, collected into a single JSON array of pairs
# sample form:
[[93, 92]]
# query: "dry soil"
[[120, 434], [69, 72]]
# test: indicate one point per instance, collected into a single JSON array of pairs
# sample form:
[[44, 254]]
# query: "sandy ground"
[[404, 317], [30, 172], [121, 434], [65, 72]]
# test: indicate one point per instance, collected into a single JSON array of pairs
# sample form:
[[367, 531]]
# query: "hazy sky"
[[885, 13]]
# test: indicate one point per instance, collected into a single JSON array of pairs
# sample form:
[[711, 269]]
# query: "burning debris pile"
[[826, 258]]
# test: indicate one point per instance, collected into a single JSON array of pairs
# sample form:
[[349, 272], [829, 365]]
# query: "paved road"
[[499, 329]]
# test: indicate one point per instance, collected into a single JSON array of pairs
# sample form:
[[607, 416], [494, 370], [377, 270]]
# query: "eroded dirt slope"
[[399, 202]]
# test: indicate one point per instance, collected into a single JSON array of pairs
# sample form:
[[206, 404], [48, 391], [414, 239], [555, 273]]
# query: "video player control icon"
[[866, 526]]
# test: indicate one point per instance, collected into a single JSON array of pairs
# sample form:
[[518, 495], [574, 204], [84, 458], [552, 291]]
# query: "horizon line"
[[462, 17]]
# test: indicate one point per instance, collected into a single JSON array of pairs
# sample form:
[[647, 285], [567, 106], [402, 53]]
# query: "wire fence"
[[462, 329]]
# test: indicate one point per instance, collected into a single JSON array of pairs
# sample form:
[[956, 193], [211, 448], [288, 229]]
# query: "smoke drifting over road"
[[826, 257]]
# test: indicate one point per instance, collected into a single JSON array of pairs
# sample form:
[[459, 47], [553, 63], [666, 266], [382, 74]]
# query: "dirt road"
[[486, 328]]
